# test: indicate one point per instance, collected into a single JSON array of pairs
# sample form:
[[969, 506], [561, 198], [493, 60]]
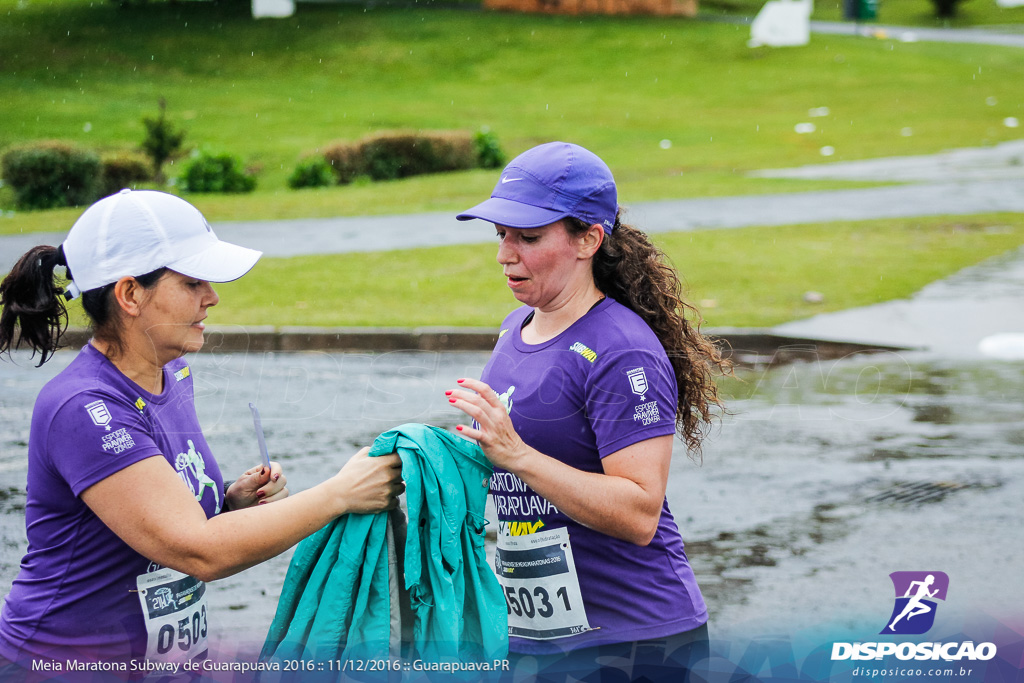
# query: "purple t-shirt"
[[73, 595], [602, 385]]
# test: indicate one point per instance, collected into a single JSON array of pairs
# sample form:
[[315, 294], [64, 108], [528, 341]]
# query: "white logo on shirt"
[[647, 413], [118, 441], [99, 414], [192, 462], [506, 399], [638, 382], [506, 179]]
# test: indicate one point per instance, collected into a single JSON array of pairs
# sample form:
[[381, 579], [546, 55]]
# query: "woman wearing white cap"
[[126, 506], [576, 409]]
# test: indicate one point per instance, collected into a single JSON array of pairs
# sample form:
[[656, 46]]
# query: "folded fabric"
[[339, 598]]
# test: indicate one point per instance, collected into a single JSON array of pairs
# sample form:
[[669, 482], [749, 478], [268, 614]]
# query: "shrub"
[[163, 141], [345, 162], [488, 152], [217, 173], [312, 172], [49, 174], [387, 156], [448, 152], [122, 170]]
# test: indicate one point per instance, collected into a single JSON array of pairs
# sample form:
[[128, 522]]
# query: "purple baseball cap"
[[547, 183]]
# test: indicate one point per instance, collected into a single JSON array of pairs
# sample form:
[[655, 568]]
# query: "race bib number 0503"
[[542, 590], [174, 608]]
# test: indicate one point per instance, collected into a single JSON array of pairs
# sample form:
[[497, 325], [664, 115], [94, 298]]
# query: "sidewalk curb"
[[749, 346]]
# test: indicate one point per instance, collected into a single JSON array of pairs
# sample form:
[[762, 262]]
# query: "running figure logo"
[[916, 593], [506, 399], [192, 463]]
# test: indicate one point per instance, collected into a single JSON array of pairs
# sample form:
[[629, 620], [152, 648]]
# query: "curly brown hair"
[[631, 270]]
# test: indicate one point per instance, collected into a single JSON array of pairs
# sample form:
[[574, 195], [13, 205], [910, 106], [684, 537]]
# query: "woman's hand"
[[370, 484], [256, 486], [495, 433]]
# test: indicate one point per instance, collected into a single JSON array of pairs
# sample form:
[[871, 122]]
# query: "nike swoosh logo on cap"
[[506, 179]]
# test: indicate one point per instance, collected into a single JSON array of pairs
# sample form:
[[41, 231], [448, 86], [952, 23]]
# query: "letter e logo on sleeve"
[[99, 414], [638, 382]]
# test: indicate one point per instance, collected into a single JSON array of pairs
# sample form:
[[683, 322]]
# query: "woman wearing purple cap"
[[126, 505], [576, 409]]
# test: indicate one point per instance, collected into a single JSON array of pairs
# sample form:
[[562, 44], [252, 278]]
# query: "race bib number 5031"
[[542, 590], [174, 608]]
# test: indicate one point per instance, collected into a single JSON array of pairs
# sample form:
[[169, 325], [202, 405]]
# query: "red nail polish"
[[459, 427], [260, 494], [276, 477], [262, 502], [459, 381], [447, 393], [451, 400]]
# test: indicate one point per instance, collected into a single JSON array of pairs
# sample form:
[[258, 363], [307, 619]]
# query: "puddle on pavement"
[[809, 453]]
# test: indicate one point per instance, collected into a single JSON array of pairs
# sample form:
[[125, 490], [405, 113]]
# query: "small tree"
[[945, 9], [163, 141]]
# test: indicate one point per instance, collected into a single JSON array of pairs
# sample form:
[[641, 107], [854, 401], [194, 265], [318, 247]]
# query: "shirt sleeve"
[[94, 435], [631, 396]]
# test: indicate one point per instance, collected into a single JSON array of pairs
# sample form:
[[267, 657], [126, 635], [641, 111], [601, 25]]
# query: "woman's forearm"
[[613, 505], [237, 540]]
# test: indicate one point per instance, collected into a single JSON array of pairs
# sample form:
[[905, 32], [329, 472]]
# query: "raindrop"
[[803, 128], [1011, 122], [906, 132], [818, 111], [87, 127], [827, 151], [665, 144], [991, 101]]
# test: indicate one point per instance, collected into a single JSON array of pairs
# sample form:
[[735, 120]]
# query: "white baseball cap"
[[135, 232]]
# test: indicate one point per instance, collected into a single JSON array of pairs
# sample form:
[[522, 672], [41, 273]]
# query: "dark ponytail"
[[32, 305], [634, 272]]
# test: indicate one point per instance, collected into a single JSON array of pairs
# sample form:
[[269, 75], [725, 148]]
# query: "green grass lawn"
[[272, 90], [745, 277]]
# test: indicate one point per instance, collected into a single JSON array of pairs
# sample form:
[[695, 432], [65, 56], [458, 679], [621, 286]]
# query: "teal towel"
[[336, 604]]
